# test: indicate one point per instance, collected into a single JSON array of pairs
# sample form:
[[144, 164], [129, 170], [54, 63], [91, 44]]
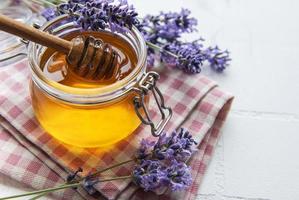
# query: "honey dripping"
[[86, 126]]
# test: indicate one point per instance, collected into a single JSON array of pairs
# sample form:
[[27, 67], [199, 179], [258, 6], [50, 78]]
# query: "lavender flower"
[[49, 13], [88, 184], [151, 172], [178, 146], [162, 32], [165, 30], [149, 175], [190, 56], [144, 150], [152, 175], [118, 15], [218, 59], [163, 164], [178, 176], [167, 26]]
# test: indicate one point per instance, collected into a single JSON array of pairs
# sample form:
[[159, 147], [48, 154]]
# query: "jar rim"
[[87, 95]]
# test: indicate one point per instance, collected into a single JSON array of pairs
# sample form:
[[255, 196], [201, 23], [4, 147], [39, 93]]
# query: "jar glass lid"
[[11, 47]]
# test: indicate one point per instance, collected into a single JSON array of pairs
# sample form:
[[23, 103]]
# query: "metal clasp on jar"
[[146, 85]]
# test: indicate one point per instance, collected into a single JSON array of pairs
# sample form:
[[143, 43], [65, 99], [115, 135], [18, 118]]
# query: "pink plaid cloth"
[[30, 155]]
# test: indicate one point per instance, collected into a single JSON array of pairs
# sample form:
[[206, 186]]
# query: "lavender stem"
[[93, 174], [62, 187]]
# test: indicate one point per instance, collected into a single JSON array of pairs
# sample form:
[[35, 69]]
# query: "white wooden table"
[[257, 156]]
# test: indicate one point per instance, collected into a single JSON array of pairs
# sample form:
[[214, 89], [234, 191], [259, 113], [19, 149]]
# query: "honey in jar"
[[93, 113], [85, 125]]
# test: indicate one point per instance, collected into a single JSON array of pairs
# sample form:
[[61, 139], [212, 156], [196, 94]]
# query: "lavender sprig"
[[167, 27], [190, 56], [163, 164], [95, 15], [151, 172], [178, 146], [218, 59], [162, 32], [145, 149]]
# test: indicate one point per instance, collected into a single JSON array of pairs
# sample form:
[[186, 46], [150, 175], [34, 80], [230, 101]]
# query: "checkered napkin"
[[30, 155]]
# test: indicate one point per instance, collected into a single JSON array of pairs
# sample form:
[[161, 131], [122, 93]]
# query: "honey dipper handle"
[[24, 31]]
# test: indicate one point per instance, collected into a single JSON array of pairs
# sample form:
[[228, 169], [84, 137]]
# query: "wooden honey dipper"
[[87, 57]]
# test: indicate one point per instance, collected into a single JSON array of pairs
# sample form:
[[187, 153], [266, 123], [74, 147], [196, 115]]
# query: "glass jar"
[[95, 117], [12, 49]]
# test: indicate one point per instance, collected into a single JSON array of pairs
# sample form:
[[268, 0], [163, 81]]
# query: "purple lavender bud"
[[164, 30], [179, 145], [144, 150], [178, 175], [218, 59], [167, 26], [149, 175], [118, 15], [162, 148], [185, 22], [190, 56], [154, 174], [151, 59], [89, 183], [161, 163], [49, 13]]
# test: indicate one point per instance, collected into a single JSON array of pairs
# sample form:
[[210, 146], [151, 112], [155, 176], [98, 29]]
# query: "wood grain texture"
[[24, 31]]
